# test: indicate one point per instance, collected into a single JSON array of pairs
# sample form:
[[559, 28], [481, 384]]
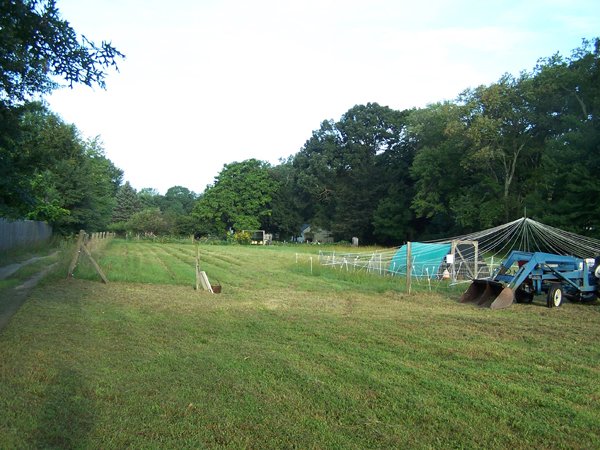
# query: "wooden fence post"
[[408, 266], [197, 268], [76, 254], [81, 245]]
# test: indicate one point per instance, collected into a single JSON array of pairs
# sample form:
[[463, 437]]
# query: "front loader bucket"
[[488, 294], [504, 299]]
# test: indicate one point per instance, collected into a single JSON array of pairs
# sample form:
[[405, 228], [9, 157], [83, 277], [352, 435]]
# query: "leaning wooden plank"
[[205, 283], [95, 264]]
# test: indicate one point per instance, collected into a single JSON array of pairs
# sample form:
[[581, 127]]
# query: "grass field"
[[286, 358]]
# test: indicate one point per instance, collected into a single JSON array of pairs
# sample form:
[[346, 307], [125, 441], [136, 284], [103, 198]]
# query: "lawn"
[[287, 358]]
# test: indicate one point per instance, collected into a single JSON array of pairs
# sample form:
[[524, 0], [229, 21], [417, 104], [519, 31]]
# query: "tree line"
[[524, 143]]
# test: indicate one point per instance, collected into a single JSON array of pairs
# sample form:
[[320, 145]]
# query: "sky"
[[208, 82]]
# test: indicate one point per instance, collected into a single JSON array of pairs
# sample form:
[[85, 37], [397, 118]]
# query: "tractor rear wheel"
[[555, 296]]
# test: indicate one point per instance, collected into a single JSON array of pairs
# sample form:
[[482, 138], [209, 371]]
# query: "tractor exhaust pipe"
[[488, 294]]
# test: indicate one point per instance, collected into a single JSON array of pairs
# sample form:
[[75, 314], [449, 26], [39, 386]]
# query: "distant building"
[[314, 235]]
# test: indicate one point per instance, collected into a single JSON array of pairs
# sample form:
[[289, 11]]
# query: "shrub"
[[242, 237]]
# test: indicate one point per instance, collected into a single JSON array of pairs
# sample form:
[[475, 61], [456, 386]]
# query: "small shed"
[[312, 234]]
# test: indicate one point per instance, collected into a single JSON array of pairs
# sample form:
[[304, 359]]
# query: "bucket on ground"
[[488, 294]]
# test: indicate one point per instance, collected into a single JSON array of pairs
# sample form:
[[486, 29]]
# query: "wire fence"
[[422, 266], [22, 232], [476, 255]]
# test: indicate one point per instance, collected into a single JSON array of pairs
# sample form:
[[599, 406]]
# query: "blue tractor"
[[523, 275]]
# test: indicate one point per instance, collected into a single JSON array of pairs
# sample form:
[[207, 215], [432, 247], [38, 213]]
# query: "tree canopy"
[[240, 199], [47, 170], [37, 45], [527, 142], [50, 173], [524, 143]]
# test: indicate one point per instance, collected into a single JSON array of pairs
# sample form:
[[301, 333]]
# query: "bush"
[[242, 237], [118, 227]]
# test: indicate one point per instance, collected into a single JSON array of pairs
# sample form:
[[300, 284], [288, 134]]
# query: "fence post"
[[476, 267], [197, 267], [408, 266], [76, 254]]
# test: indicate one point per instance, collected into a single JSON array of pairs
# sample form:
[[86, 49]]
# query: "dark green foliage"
[[178, 200], [49, 173], [285, 219], [528, 142], [149, 221], [345, 170], [37, 45], [127, 203], [147, 211], [566, 183], [522, 143], [240, 199], [91, 180], [177, 205], [149, 198]]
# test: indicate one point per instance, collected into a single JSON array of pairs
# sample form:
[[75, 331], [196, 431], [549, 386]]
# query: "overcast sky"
[[209, 82]]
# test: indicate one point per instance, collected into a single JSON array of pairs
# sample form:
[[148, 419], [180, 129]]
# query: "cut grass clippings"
[[288, 358]]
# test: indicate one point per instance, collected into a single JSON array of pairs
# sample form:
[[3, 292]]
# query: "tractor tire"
[[555, 296], [596, 267]]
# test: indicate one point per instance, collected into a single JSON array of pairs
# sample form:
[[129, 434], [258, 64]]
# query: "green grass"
[[287, 358], [22, 253], [53, 255]]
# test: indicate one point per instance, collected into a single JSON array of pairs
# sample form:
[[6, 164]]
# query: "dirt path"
[[7, 271], [12, 299]]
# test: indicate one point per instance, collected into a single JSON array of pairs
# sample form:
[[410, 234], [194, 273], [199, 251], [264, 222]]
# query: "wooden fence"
[[16, 233]]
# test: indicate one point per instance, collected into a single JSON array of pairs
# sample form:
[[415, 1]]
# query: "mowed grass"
[[50, 255], [287, 359]]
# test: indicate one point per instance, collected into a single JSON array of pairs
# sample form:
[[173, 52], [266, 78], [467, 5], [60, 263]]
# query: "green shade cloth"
[[426, 258]]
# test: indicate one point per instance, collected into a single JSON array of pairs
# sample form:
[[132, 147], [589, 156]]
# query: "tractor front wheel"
[[555, 296]]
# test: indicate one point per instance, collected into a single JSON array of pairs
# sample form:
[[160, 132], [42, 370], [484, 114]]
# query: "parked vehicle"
[[522, 275]]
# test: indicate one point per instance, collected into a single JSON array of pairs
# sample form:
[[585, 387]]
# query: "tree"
[[88, 184], [440, 140], [33, 141], [178, 200], [37, 45], [149, 221], [149, 198], [507, 143], [566, 185], [285, 219], [239, 199], [346, 168], [127, 204], [49, 173], [177, 205]]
